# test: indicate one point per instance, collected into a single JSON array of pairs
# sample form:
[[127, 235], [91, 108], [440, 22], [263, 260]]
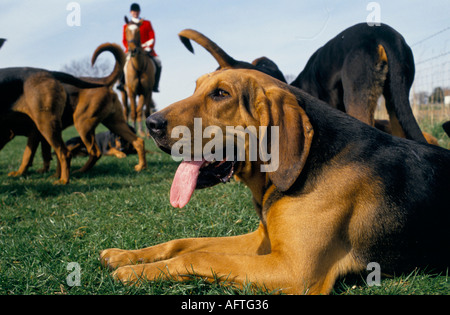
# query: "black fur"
[[446, 127], [411, 225]]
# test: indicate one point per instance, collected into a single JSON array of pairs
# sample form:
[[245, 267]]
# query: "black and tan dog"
[[344, 195], [350, 73]]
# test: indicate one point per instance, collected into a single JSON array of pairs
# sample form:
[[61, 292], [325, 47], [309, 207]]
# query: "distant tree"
[[437, 96], [421, 98], [82, 67]]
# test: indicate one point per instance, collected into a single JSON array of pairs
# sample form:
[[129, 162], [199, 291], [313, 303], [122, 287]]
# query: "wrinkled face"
[[231, 124]]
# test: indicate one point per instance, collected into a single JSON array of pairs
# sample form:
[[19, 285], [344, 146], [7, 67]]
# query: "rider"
[[147, 40]]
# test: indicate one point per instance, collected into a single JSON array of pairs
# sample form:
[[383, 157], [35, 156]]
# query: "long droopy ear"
[[277, 107]]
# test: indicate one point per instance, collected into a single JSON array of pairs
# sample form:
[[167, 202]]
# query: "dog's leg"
[[63, 156], [28, 154], [114, 152], [86, 130], [292, 260], [117, 125], [255, 243], [46, 156]]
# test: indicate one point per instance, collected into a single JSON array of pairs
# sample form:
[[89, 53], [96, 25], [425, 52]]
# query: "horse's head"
[[133, 36]]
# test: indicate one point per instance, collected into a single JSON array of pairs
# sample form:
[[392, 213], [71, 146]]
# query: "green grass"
[[44, 227]]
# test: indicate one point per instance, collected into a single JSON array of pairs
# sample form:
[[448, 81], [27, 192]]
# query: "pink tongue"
[[184, 183]]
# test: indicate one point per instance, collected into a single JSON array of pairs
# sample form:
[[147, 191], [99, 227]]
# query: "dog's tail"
[[398, 84], [446, 127], [120, 58], [224, 60], [89, 83], [262, 64]]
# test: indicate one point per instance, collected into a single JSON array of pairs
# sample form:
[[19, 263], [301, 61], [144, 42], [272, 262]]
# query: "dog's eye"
[[219, 94]]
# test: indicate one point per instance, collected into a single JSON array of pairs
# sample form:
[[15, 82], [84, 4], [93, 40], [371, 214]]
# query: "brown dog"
[[86, 108], [344, 194], [32, 104]]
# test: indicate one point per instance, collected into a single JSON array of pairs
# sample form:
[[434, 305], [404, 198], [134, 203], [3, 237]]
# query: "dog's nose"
[[156, 125]]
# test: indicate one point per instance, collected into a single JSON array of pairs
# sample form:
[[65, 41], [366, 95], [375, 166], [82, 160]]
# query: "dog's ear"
[[279, 108]]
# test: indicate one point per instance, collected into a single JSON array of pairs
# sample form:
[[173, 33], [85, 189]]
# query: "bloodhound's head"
[[216, 131]]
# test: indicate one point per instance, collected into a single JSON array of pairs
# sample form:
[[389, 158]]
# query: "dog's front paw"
[[129, 274], [114, 258], [15, 174], [140, 167]]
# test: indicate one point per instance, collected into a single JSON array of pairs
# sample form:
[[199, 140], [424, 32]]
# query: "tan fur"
[[43, 101]]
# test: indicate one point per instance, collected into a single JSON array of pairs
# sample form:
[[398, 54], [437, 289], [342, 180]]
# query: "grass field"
[[44, 227]]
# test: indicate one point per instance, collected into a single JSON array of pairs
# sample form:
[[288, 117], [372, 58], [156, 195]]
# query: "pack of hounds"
[[349, 189]]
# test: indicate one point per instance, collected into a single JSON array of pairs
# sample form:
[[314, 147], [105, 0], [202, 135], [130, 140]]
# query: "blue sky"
[[286, 31]]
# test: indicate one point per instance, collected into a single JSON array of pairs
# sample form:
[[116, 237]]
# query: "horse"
[[139, 75]]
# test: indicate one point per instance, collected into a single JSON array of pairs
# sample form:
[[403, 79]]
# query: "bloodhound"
[[344, 194]]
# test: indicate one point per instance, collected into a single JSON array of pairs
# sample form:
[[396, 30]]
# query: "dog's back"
[[410, 227]]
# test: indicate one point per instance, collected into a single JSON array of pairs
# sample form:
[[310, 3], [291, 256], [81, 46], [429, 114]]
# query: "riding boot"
[[157, 77]]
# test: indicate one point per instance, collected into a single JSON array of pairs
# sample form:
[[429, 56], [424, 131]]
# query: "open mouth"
[[193, 175]]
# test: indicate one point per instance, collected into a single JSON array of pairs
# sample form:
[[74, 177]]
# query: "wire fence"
[[430, 93], [432, 80]]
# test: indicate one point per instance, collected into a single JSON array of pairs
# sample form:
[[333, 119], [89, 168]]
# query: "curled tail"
[[120, 58], [89, 83]]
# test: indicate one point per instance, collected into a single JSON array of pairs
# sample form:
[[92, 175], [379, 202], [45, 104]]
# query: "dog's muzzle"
[[157, 126]]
